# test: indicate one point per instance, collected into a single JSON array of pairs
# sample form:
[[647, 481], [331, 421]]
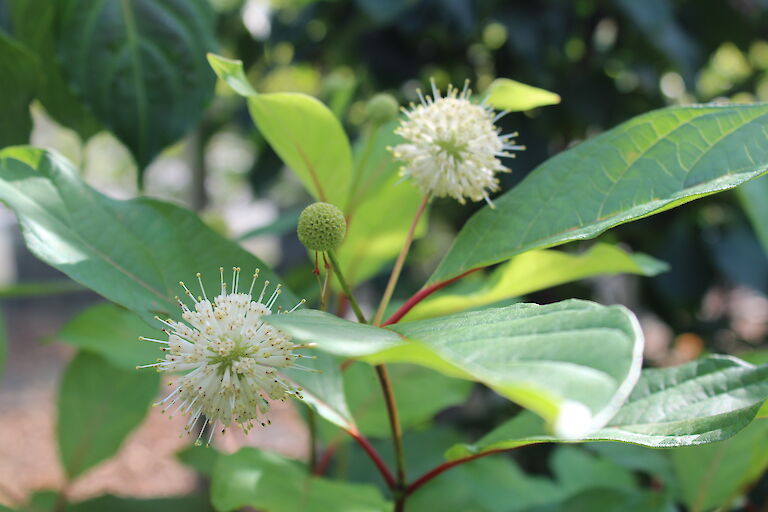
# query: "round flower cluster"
[[452, 146], [230, 356]]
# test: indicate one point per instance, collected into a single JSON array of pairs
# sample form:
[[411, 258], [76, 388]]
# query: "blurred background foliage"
[[609, 60]]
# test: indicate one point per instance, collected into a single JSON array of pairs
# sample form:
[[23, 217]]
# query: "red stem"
[[376, 458], [429, 475], [421, 295], [322, 464]]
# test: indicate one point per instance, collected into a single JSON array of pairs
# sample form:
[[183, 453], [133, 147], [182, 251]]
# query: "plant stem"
[[394, 423], [375, 457], [345, 287], [421, 295], [395, 275]]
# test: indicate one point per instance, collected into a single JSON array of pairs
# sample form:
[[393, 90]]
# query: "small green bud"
[[382, 108], [321, 227]]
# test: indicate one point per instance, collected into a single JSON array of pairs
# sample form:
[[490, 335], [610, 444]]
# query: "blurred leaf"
[[536, 270], [264, 480], [35, 23], [420, 394], [611, 500], [17, 89], [373, 239], [657, 20], [117, 504], [41, 501], [384, 12], [112, 333], [99, 405], [506, 94], [638, 458], [139, 66], [649, 164], [200, 458], [754, 199], [577, 470], [703, 401], [135, 252], [573, 363], [303, 131], [47, 288], [739, 256], [712, 476]]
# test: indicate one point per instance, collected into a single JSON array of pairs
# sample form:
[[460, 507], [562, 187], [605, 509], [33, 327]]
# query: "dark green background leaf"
[[99, 405], [139, 65], [17, 89]]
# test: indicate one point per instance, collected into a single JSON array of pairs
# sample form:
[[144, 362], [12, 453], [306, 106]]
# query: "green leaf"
[[419, 393], [263, 480], [577, 470], [712, 476], [700, 402], [112, 333], [135, 252], [139, 65], [506, 94], [17, 89], [537, 270], [302, 131], [611, 500], [573, 363], [649, 164], [118, 504], [35, 24], [200, 458], [99, 405], [754, 199], [373, 239]]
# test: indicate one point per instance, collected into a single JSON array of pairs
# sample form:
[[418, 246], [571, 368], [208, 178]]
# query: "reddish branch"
[[421, 295], [376, 458], [429, 475]]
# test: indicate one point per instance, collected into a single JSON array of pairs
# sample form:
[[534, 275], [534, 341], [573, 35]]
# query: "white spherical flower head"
[[452, 146], [229, 357]]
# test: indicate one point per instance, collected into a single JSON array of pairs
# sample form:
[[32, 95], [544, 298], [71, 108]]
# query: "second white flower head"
[[452, 146]]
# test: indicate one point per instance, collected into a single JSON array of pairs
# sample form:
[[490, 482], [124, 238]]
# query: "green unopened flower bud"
[[382, 108], [321, 227]]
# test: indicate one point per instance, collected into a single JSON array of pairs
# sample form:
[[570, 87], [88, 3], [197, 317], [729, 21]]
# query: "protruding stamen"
[[253, 281], [301, 303], [142, 338], [263, 291], [200, 282], [221, 278], [186, 290]]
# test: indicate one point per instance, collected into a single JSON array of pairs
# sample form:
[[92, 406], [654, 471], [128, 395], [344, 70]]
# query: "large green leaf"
[[135, 252], [17, 88], [99, 405], [713, 476], [537, 270], [139, 65], [506, 94], [302, 131], [111, 332], [574, 362], [700, 402], [649, 164], [35, 24], [268, 481]]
